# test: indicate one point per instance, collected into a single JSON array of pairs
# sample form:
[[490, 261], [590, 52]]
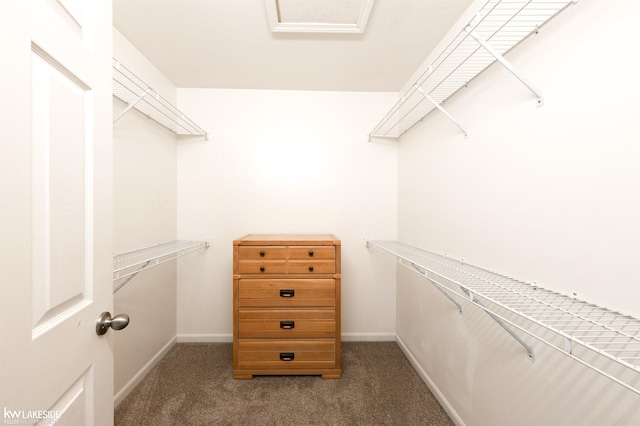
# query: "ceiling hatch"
[[318, 16]]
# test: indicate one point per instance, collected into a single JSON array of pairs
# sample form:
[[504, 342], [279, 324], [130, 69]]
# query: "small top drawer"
[[312, 252], [311, 267], [262, 253], [262, 267]]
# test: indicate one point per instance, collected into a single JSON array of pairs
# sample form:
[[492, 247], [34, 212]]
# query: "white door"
[[55, 211]]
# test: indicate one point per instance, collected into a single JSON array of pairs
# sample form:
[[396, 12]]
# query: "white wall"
[[285, 162], [546, 194], [144, 215]]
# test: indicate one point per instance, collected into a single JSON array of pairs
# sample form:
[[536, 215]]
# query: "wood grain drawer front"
[[312, 266], [262, 267], [262, 253], [312, 252], [265, 354], [286, 293], [286, 323]]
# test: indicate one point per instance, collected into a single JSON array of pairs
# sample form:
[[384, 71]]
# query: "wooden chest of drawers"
[[286, 305]]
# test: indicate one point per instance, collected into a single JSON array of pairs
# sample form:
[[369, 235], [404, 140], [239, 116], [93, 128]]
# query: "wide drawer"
[[312, 252], [264, 354], [262, 252], [286, 323], [292, 293]]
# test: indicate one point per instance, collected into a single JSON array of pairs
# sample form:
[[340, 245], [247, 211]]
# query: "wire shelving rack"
[[129, 264], [132, 90], [497, 27], [605, 341]]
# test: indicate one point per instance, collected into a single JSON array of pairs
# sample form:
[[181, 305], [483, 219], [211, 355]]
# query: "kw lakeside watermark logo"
[[30, 417]]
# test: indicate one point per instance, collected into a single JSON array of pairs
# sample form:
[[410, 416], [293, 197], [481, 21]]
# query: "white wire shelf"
[[598, 338], [127, 265], [132, 90], [497, 27]]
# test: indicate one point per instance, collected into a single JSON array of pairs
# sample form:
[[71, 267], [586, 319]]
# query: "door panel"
[[72, 408], [60, 196], [56, 209]]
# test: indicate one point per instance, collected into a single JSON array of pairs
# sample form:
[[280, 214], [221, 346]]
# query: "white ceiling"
[[229, 44]]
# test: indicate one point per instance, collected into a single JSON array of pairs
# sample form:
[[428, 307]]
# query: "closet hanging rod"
[[137, 94], [595, 337]]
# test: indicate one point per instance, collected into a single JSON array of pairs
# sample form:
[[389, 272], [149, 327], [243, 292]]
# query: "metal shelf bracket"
[[506, 64], [530, 353], [131, 105], [423, 272], [440, 108]]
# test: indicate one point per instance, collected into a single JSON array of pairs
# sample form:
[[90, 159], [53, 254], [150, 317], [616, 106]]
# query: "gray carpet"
[[193, 385]]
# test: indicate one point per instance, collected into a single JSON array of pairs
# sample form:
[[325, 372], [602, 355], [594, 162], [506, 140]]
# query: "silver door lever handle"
[[105, 321]]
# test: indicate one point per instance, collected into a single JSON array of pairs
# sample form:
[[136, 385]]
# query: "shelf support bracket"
[[530, 354], [568, 345], [423, 272], [506, 64], [131, 105], [440, 108]]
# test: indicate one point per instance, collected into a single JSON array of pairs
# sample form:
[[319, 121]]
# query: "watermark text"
[[30, 417]]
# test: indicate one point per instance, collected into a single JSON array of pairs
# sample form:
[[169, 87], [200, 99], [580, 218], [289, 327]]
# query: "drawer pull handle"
[[287, 293], [287, 325], [261, 253], [262, 269], [287, 356], [310, 253], [311, 268]]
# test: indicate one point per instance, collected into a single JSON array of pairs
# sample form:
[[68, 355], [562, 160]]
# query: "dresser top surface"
[[288, 239]]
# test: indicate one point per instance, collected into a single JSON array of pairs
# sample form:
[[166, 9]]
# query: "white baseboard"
[[430, 384], [135, 380], [228, 338], [368, 337], [205, 338]]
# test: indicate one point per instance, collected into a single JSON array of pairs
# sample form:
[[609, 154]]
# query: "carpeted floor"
[[193, 385]]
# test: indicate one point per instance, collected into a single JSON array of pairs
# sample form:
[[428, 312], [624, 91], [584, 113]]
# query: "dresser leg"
[[331, 376], [243, 376]]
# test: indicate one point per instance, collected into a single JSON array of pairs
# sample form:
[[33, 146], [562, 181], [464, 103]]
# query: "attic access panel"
[[318, 16]]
